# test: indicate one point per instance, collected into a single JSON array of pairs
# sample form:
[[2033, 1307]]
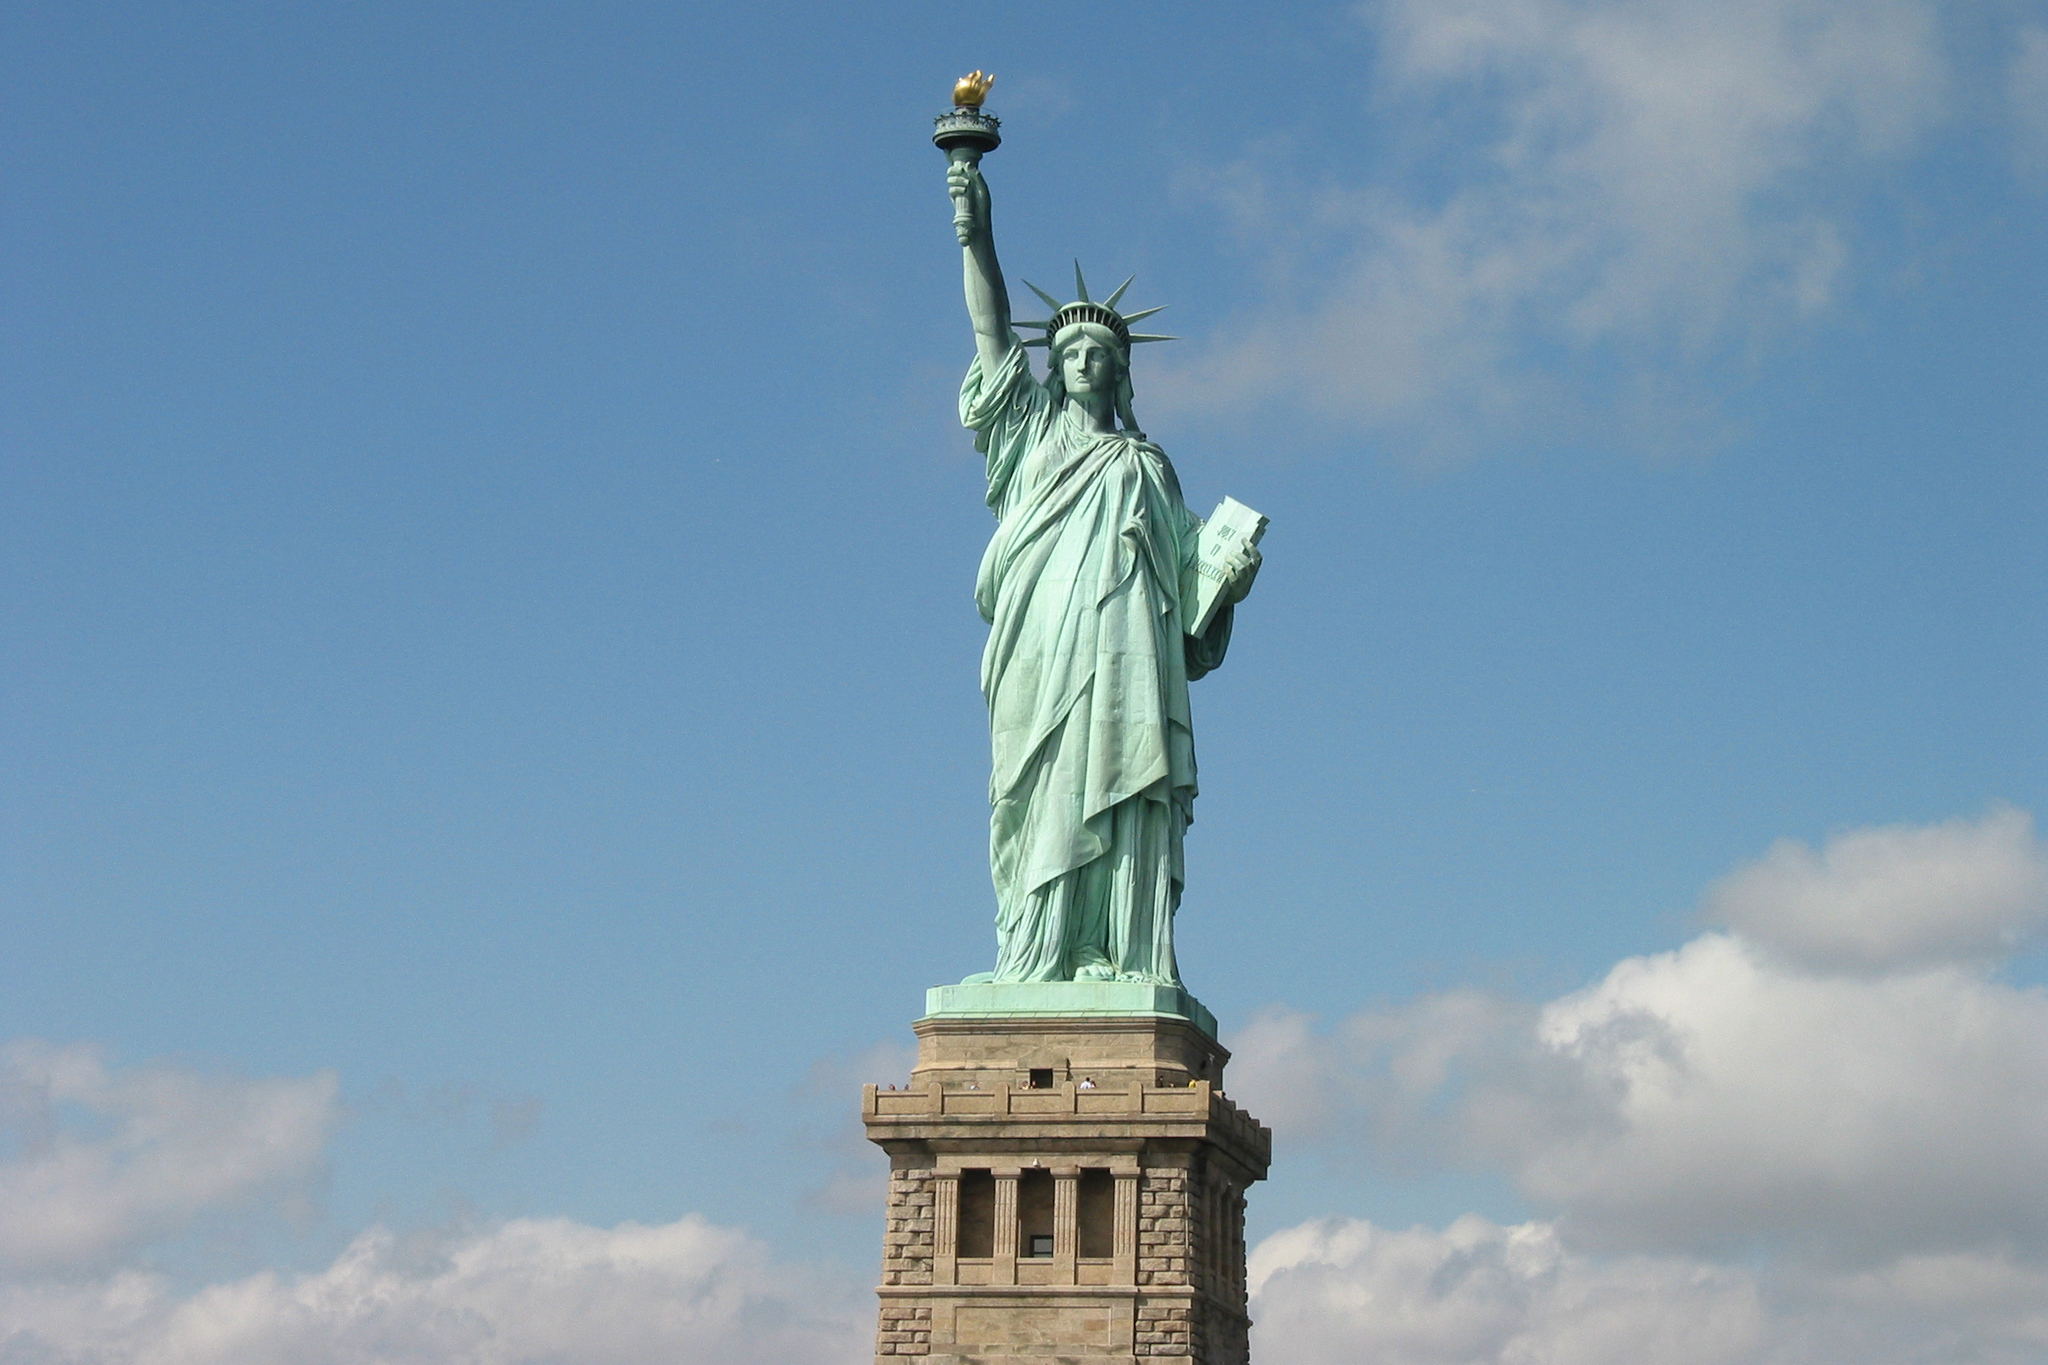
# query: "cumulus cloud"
[[1584, 201], [1338, 1291], [1727, 1096], [1967, 890], [104, 1160], [1394, 1078], [1751, 1101], [1343, 1291], [525, 1292]]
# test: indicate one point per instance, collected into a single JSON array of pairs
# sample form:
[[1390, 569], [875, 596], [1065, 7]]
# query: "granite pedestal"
[[1067, 1182]]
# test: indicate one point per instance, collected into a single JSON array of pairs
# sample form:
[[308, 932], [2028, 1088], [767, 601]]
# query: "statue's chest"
[[1068, 465]]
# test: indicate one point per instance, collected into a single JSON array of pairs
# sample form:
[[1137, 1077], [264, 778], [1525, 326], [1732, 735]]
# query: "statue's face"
[[1088, 366]]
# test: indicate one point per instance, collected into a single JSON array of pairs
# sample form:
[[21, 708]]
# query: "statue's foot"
[[978, 979], [1096, 971]]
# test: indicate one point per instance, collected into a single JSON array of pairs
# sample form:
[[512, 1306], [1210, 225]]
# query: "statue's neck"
[[1094, 413]]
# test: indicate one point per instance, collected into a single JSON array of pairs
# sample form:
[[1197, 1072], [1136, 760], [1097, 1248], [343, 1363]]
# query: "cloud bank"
[[1815, 1133], [163, 1145], [530, 1290], [1964, 891], [1577, 214], [1820, 1135], [1340, 1291], [101, 1161]]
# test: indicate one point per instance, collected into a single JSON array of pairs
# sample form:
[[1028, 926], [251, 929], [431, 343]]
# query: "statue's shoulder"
[[1146, 448], [1006, 396]]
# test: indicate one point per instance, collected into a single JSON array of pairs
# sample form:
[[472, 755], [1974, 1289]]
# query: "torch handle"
[[963, 216]]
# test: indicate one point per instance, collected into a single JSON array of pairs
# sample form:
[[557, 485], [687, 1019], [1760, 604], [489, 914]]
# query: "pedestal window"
[[977, 1225], [1034, 1214], [1095, 1215]]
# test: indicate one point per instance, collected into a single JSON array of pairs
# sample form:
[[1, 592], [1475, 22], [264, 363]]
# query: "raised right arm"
[[988, 298]]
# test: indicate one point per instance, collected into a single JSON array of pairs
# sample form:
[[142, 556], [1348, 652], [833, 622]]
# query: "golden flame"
[[970, 91]]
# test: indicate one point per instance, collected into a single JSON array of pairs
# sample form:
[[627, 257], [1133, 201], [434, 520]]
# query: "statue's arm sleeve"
[[1205, 651], [1003, 410]]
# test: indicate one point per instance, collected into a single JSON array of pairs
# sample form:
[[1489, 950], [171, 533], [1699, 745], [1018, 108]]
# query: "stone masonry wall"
[[1164, 1329], [906, 1331], [1225, 1323], [907, 1245], [1164, 1238], [1190, 1232], [1167, 1256]]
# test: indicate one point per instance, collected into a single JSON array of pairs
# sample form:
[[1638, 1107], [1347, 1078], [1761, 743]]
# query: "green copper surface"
[[1066, 999], [1087, 667]]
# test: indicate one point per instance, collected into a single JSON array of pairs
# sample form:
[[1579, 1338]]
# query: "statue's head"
[[1088, 358], [1091, 345], [1090, 364]]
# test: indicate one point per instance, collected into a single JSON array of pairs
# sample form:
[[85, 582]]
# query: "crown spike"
[[1050, 301], [1110, 302], [1145, 312], [1080, 285], [1035, 341], [1137, 337]]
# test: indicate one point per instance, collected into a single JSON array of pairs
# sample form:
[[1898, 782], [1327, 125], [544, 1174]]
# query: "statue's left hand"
[[1242, 574]]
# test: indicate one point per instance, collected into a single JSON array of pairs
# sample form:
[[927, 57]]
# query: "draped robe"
[[1086, 678]]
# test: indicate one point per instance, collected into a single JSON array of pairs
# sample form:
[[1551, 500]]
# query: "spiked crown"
[[1085, 309]]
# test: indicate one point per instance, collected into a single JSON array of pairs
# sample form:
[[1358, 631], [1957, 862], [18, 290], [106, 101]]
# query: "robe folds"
[[1086, 678]]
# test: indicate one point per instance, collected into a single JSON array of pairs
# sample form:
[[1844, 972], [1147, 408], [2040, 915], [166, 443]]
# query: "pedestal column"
[[945, 1226], [1004, 1271], [1064, 1208], [1126, 1227]]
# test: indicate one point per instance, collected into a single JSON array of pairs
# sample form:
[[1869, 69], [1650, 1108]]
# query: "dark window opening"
[[977, 1225], [1095, 1212], [1034, 1212], [1041, 1079]]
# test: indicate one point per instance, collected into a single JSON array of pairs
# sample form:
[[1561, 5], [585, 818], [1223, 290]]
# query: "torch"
[[966, 133]]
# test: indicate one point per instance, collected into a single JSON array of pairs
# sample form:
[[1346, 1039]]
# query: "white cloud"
[[1827, 1149], [1382, 1077], [1344, 1291], [523, 1293], [1961, 891], [1756, 1102], [1338, 1291], [1727, 1096], [1587, 200], [103, 1160], [106, 1160]]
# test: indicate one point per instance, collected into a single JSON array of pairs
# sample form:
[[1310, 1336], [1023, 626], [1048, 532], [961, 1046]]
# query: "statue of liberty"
[[1088, 661]]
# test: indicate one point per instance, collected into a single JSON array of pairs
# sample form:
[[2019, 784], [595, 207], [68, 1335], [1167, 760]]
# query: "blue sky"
[[492, 715]]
